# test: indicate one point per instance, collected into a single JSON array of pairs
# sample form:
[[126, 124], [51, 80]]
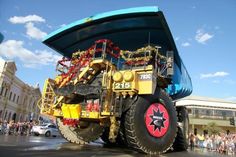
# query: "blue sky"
[[204, 32]]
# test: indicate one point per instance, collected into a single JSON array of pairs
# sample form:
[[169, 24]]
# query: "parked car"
[[45, 129], [1, 129]]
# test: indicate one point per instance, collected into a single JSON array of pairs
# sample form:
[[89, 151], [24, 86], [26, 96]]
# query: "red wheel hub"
[[157, 120]]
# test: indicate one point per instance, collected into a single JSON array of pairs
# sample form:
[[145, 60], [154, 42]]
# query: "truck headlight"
[[128, 76], [117, 77]]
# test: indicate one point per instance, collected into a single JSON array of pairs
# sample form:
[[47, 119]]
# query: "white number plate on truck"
[[123, 85]]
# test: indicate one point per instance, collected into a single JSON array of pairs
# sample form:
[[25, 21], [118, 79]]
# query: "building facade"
[[203, 110], [18, 100]]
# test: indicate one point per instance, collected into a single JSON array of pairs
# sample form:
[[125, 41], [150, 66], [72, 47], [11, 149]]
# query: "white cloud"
[[25, 19], [29, 21], [202, 37], [186, 44], [177, 38], [216, 74], [13, 49], [63, 25], [34, 32]]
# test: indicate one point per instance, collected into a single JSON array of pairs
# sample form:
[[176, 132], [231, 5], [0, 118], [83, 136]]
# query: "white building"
[[203, 110], [18, 100]]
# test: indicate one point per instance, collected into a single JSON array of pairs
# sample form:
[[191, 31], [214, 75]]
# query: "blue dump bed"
[[130, 29], [1, 37]]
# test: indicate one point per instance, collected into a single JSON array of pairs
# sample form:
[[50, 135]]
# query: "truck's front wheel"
[[87, 132], [151, 123]]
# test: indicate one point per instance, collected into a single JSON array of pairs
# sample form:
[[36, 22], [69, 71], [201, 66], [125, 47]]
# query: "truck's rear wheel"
[[151, 123], [182, 141], [86, 132]]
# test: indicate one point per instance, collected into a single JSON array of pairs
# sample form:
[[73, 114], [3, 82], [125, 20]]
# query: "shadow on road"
[[30, 146]]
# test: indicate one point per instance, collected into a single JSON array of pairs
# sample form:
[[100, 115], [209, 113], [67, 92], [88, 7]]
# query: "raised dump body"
[[118, 76]]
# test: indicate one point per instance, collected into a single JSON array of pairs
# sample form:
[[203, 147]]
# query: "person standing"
[[192, 141]]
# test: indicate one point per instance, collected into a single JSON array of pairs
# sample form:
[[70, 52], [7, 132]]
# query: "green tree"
[[212, 128]]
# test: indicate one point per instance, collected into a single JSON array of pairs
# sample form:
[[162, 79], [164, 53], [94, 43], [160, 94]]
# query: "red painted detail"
[[157, 120], [111, 48], [89, 106], [70, 122], [71, 70], [93, 105], [96, 106]]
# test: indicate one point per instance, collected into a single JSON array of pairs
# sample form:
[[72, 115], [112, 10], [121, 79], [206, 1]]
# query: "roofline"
[[208, 107], [206, 103], [209, 99], [145, 9]]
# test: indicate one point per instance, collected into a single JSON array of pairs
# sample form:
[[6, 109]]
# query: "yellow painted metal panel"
[[144, 81], [92, 115], [65, 111], [106, 113], [75, 111]]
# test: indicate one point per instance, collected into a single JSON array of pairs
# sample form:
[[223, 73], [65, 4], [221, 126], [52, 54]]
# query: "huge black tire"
[[89, 132], [182, 141], [137, 126]]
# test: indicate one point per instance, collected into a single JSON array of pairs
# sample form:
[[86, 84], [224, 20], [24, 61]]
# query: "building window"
[[6, 91], [2, 89], [14, 97], [229, 113], [17, 100], [208, 112], [14, 117], [196, 112], [218, 114], [0, 113], [10, 96], [224, 114], [195, 131], [24, 101], [9, 117], [189, 111]]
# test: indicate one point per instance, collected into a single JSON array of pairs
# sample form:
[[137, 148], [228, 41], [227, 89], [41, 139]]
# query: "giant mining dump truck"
[[118, 79]]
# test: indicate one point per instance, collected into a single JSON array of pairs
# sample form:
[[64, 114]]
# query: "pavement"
[[34, 146]]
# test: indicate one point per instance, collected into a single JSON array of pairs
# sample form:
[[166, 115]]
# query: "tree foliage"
[[212, 128]]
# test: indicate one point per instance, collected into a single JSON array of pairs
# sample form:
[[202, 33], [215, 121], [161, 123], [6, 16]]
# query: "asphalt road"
[[31, 146]]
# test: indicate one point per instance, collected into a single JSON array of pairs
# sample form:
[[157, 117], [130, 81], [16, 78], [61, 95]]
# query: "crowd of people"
[[222, 143], [19, 128]]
